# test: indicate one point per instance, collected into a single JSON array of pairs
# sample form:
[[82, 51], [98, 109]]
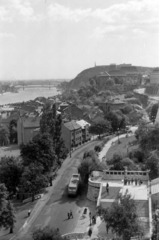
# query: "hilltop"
[[83, 77]]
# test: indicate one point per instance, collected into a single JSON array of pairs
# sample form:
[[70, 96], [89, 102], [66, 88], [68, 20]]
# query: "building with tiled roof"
[[85, 130], [117, 73], [71, 133], [113, 104], [154, 76]]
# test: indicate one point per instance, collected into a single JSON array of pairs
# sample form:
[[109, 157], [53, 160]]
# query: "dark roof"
[[117, 73], [129, 69], [72, 125]]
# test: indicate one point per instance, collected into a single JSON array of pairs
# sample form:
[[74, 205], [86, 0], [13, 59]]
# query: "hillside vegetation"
[[83, 77]]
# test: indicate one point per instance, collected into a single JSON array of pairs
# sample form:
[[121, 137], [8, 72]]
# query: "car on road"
[[73, 185]]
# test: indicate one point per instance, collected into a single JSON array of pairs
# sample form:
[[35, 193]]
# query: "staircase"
[[142, 208]]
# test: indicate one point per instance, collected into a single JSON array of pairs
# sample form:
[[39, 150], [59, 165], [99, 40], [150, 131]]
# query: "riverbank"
[[27, 94]]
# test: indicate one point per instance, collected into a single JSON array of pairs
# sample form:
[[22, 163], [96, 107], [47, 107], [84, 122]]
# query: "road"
[[54, 213]]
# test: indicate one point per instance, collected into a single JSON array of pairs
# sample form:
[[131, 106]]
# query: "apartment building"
[[71, 133]]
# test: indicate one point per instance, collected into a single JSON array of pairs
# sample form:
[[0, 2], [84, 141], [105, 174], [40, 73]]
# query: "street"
[[54, 213]]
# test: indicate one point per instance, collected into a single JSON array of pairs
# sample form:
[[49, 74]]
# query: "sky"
[[43, 39]]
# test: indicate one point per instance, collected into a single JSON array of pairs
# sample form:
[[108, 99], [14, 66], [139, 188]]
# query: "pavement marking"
[[47, 221]]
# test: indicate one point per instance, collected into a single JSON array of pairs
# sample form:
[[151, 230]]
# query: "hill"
[[83, 77]]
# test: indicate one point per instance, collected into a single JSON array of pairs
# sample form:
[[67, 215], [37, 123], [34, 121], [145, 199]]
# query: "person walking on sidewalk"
[[68, 215], [107, 188], [90, 232], [29, 212], [71, 214]]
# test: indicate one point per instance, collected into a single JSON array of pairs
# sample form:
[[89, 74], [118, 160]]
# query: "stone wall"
[[93, 190]]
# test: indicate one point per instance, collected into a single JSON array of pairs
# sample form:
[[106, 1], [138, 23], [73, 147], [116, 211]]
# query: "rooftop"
[[72, 125], [83, 123]]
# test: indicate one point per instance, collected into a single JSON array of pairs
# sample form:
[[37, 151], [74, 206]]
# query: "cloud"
[[60, 12], [4, 15], [142, 15], [18, 10]]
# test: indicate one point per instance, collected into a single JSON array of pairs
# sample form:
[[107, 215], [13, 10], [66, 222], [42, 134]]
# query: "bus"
[[73, 185]]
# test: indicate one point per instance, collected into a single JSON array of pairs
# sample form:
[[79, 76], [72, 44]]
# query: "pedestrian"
[[57, 230], [135, 182], [93, 219], [29, 212], [107, 188], [71, 214], [132, 180], [68, 215], [124, 181], [90, 232]]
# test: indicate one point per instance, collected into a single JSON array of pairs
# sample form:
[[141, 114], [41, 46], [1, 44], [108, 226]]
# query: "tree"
[[115, 162], [51, 123], [127, 162], [89, 163], [7, 216], [119, 162], [13, 131], [152, 164], [97, 148], [114, 118], [148, 137], [10, 172], [122, 217], [46, 233], [153, 112], [4, 135], [100, 127], [33, 180], [39, 151]]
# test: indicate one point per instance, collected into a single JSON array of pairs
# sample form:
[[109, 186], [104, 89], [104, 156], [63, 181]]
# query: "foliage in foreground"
[[10, 173], [122, 217], [46, 233], [7, 217]]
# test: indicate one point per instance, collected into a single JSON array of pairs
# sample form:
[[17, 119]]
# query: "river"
[[27, 94]]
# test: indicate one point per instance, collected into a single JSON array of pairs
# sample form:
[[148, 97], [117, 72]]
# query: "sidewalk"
[[112, 141]]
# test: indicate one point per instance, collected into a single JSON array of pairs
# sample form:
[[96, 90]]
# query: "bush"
[[129, 95], [97, 148], [137, 154]]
